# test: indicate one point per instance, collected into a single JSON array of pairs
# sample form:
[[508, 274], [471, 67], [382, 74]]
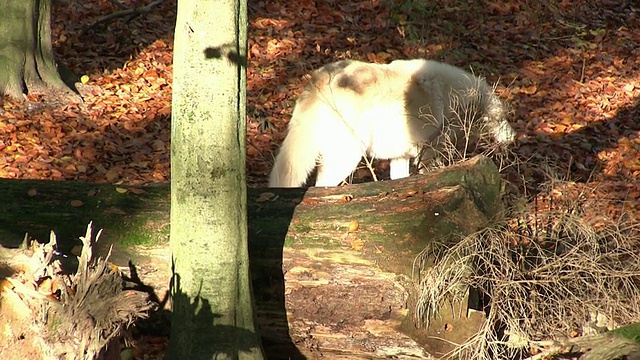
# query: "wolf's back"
[[350, 109]]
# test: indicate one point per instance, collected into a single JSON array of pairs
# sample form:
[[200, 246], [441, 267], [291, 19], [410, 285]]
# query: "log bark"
[[399, 217], [395, 220], [128, 215]]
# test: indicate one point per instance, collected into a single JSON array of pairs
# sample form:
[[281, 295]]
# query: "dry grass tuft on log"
[[553, 281]]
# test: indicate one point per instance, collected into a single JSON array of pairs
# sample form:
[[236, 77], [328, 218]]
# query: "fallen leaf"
[[5, 284], [76, 203], [265, 196], [353, 226], [346, 198], [114, 267]]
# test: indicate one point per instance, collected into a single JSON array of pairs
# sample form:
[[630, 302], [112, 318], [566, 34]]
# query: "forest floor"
[[569, 69]]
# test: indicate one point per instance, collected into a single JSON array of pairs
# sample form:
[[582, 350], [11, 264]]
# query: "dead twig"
[[130, 13]]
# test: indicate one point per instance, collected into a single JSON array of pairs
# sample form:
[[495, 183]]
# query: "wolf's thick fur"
[[351, 109]]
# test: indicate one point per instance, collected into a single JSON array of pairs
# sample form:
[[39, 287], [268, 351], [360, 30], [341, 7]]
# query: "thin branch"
[[131, 13]]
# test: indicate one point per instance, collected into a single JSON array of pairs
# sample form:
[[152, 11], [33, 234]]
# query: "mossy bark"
[[213, 314], [402, 217], [26, 53]]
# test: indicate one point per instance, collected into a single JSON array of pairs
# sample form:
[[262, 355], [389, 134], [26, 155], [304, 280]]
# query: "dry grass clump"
[[472, 131], [549, 273]]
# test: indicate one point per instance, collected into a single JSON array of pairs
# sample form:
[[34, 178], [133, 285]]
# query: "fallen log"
[[402, 214], [397, 218], [381, 225]]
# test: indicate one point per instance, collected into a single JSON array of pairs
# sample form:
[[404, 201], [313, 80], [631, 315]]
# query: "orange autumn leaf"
[[45, 287], [357, 244], [353, 226]]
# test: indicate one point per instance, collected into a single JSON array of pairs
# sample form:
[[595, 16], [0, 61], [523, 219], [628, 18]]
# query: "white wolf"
[[351, 109]]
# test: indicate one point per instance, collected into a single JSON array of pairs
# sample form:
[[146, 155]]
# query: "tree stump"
[[56, 314]]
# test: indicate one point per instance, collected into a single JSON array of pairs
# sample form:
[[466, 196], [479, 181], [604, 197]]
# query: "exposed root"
[[75, 315]]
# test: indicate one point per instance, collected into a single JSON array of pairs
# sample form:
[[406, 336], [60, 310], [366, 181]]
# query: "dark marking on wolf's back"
[[323, 76], [347, 82], [357, 80]]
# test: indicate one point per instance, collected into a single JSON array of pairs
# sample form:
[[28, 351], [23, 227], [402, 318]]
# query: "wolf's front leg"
[[337, 161], [399, 168]]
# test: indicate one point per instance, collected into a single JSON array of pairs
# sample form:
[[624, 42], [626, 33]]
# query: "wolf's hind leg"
[[337, 163], [399, 168]]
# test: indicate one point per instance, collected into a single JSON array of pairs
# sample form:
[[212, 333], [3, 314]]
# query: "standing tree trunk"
[[26, 53], [213, 314]]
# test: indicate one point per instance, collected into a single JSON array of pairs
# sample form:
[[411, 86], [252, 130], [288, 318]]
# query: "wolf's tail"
[[297, 156]]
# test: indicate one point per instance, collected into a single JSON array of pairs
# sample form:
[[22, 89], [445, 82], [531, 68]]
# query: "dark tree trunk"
[[27, 63]]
